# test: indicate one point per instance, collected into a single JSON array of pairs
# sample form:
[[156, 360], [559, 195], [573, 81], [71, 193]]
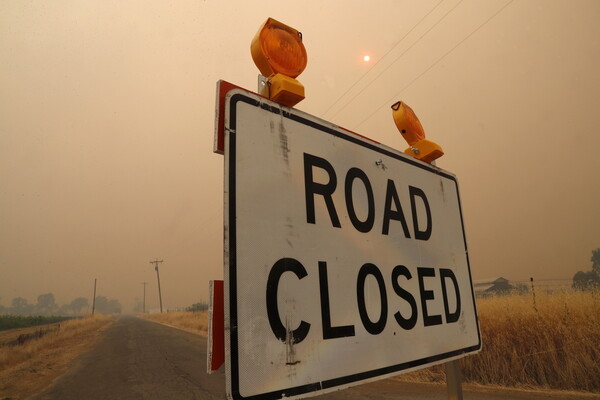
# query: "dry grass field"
[[194, 322], [552, 343], [28, 367]]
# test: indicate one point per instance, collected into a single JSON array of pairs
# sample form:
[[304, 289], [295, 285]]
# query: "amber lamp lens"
[[414, 125], [284, 50]]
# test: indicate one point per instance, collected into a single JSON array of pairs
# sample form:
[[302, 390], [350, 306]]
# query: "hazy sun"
[[367, 58]]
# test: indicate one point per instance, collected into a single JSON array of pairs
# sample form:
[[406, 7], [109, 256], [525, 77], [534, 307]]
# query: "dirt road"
[[138, 359]]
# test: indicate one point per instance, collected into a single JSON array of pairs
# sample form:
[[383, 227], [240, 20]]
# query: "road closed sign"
[[345, 260]]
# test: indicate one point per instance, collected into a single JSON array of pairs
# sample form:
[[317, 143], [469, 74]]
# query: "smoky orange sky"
[[107, 118]]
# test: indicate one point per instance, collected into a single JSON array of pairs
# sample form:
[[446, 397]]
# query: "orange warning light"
[[412, 131], [279, 54]]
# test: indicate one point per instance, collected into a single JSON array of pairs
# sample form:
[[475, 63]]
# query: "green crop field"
[[19, 321]]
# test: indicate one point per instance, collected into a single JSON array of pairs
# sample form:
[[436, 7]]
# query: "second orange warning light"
[[412, 131]]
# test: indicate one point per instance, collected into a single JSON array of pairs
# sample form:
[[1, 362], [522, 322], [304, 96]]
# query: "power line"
[[398, 58], [378, 61], [434, 64]]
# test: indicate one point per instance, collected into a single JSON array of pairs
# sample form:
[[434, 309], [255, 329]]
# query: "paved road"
[[138, 359]]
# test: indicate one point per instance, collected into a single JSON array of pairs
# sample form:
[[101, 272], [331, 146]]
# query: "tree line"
[[46, 306], [587, 280], [201, 306]]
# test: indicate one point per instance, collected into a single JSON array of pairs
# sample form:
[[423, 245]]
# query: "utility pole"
[[144, 307], [94, 299], [156, 262]]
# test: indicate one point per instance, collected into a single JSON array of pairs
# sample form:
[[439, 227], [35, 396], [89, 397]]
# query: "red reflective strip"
[[223, 89], [218, 326]]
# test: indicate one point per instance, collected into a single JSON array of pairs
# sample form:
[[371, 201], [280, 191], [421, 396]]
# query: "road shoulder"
[[47, 364]]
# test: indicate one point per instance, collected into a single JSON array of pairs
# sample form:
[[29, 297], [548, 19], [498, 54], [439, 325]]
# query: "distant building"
[[492, 287]]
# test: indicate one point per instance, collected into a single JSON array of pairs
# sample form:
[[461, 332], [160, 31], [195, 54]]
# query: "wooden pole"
[[94, 299], [156, 262], [144, 306]]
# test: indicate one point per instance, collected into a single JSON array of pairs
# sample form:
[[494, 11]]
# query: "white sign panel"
[[345, 260]]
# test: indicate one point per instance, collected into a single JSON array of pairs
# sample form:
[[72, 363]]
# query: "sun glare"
[[367, 58]]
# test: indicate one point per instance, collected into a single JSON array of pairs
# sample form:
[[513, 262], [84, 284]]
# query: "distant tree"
[[197, 307], [586, 280], [589, 279], [20, 306], [101, 305], [596, 261], [46, 304], [114, 306], [106, 306], [79, 305]]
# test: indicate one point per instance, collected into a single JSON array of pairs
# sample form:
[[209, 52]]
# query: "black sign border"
[[233, 322]]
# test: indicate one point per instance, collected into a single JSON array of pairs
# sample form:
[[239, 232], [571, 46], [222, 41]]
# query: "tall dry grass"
[[59, 337], [195, 322], [552, 343]]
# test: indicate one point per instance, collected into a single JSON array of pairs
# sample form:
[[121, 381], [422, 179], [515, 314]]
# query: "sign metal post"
[[454, 380]]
